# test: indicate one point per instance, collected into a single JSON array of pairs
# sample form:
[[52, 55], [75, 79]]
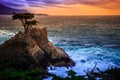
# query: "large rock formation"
[[31, 50]]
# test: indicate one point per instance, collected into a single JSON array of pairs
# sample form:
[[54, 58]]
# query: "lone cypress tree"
[[26, 20]]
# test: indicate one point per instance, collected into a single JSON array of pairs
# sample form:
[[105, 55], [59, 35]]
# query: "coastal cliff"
[[26, 51]]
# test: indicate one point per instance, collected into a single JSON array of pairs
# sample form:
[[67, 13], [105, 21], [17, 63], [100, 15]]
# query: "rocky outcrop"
[[33, 50]]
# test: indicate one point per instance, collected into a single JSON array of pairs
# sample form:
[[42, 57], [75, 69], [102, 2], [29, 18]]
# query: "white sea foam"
[[5, 35], [85, 59]]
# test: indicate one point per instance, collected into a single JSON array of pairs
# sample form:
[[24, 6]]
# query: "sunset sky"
[[67, 7]]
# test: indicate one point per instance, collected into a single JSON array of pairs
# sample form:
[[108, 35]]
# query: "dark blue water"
[[88, 40]]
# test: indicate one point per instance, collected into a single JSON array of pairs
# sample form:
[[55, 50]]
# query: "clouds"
[[14, 3], [56, 3], [89, 2]]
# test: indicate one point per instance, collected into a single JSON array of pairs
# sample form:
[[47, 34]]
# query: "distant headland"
[[4, 10], [42, 14]]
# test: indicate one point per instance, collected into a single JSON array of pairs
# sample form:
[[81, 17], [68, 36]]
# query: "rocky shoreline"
[[33, 50], [27, 56]]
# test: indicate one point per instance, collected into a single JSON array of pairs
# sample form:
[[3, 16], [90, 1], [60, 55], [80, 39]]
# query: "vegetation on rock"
[[29, 50], [26, 20], [109, 74], [71, 76]]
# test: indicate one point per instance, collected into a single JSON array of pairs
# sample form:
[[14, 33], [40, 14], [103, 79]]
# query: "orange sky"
[[77, 9], [67, 7]]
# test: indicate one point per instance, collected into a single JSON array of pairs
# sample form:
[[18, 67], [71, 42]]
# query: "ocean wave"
[[5, 35], [86, 58]]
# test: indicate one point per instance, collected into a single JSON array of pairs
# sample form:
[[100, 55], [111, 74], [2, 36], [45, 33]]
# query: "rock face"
[[31, 50]]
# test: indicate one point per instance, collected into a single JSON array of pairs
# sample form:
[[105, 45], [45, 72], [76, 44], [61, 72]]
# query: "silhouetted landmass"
[[42, 14], [4, 10]]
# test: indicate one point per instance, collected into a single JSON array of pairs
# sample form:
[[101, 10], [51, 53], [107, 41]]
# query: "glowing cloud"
[[34, 5]]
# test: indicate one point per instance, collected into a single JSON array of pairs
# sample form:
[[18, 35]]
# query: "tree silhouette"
[[26, 20]]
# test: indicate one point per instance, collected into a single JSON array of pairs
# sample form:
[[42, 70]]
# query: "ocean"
[[88, 40]]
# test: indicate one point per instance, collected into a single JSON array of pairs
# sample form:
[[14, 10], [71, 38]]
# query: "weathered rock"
[[33, 50]]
